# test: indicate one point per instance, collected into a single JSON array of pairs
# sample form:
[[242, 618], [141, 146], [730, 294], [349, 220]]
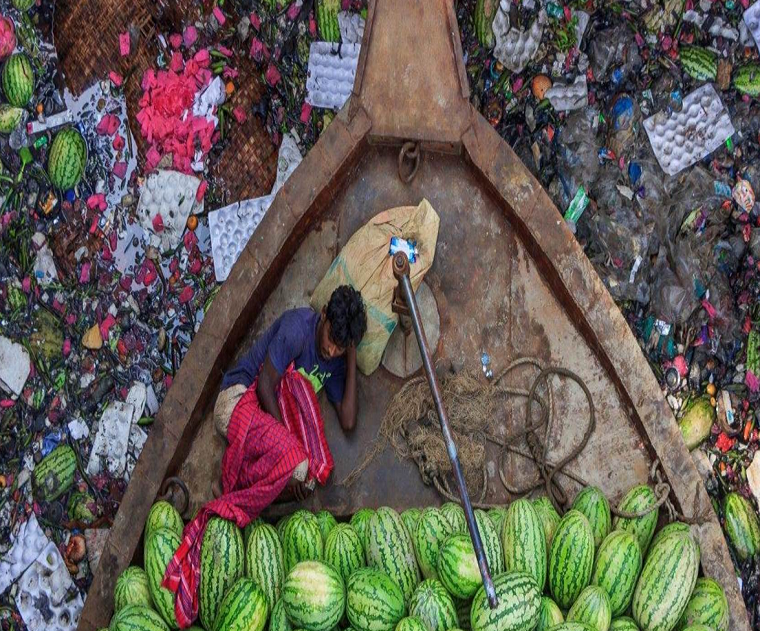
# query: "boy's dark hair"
[[348, 319]]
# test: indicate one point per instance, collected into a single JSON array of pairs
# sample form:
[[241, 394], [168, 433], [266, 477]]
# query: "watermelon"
[[457, 566], [432, 604], [314, 596], [699, 627], [18, 80], [54, 474], [301, 539], [491, 542], [485, 12], [549, 615], [671, 527], [573, 626], [432, 528], [524, 542], [159, 550], [742, 526], [163, 515], [326, 523], [250, 527], [571, 558], [10, 117], [137, 618], [700, 64], [280, 526], [132, 589], [410, 623], [67, 159], [24, 5], [747, 79], [636, 500], [344, 550], [463, 607], [278, 620], [623, 623], [518, 609], [594, 505], [455, 515], [617, 567], [327, 19], [360, 522], [373, 601], [410, 517], [592, 607], [80, 508], [708, 605], [222, 564], [497, 515], [391, 550], [244, 608], [264, 562], [549, 518], [666, 582]]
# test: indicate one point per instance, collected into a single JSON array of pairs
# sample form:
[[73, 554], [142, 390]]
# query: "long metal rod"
[[401, 271]]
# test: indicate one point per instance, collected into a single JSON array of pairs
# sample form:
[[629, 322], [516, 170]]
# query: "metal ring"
[[410, 150], [175, 481]]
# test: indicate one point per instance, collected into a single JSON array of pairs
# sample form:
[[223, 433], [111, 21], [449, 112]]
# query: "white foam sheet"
[[331, 72], [569, 97], [351, 27], [112, 439], [752, 20], [517, 48], [680, 139], [27, 546], [15, 366]]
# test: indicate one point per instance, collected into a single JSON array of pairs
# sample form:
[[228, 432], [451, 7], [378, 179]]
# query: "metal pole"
[[401, 272]]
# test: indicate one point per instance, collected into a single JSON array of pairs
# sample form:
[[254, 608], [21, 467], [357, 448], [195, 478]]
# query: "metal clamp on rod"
[[405, 304]]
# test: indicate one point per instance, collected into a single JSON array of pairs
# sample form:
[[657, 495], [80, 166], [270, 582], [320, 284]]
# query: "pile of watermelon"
[[417, 571]]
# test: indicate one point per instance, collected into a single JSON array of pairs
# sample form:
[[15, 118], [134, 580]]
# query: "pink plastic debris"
[[124, 43], [66, 347], [272, 75], [84, 274], [108, 125], [158, 223], [239, 114], [195, 266], [293, 10], [199, 194], [312, 26], [26, 284], [680, 365], [230, 73], [7, 37], [259, 52], [202, 58], [190, 36], [255, 20], [153, 158], [224, 50], [751, 380], [175, 39], [7, 403], [97, 201], [118, 142], [120, 169], [219, 15], [305, 112], [116, 78], [105, 326], [177, 63], [189, 240]]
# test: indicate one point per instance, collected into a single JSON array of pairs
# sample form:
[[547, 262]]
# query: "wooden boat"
[[508, 277]]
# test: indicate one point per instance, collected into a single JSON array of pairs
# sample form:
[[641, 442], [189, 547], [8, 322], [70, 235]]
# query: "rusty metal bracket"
[[169, 492], [409, 151]]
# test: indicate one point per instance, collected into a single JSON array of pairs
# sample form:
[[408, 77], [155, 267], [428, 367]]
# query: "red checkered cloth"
[[260, 459]]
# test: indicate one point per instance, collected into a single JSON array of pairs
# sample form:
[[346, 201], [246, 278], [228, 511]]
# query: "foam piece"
[[170, 194], [682, 138], [288, 158], [330, 75], [47, 598], [230, 228], [752, 20], [569, 97], [518, 47], [137, 397], [112, 439], [581, 26], [15, 366], [351, 27], [500, 25], [27, 546]]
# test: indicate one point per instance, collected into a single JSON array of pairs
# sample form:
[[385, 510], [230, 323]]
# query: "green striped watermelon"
[[278, 620], [457, 566], [491, 542], [410, 517], [463, 607], [18, 80], [54, 474], [524, 542], [132, 589], [518, 609], [455, 515], [549, 518], [249, 529], [676, 526], [742, 526], [360, 522], [280, 526], [571, 558], [265, 563], [10, 117], [326, 523], [617, 567], [549, 614], [67, 159], [747, 79], [222, 564], [699, 627], [391, 550], [314, 596], [373, 601], [497, 515], [623, 623], [301, 539], [637, 499], [699, 63], [573, 626], [244, 608], [666, 583], [410, 623], [592, 607], [594, 505], [432, 604], [137, 618], [707, 605], [159, 550], [163, 515], [344, 550], [432, 528]]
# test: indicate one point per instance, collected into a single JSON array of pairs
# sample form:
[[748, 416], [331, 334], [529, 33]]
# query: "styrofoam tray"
[[517, 48], [572, 96], [27, 546], [752, 20], [331, 72]]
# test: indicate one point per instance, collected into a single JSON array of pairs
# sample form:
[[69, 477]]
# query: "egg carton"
[[500, 25], [752, 20], [288, 158], [517, 48], [351, 27], [331, 72], [170, 194], [27, 546], [680, 139], [15, 366], [571, 96], [719, 28], [112, 439], [47, 598]]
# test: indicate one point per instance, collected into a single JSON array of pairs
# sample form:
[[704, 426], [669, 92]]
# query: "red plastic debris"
[[255, 20], [305, 112], [108, 125], [190, 36], [201, 190], [97, 201], [239, 114], [124, 43], [105, 326], [118, 142], [220, 17], [175, 39], [158, 223], [272, 75], [724, 442], [751, 381], [120, 169], [116, 78]]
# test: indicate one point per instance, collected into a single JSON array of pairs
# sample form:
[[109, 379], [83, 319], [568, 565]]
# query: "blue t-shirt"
[[292, 338]]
